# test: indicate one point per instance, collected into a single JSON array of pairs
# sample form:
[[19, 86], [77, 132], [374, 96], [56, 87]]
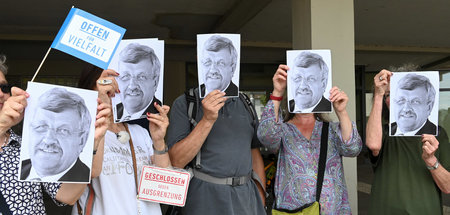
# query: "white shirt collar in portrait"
[[409, 133], [307, 110], [52, 178], [127, 116], [207, 92]]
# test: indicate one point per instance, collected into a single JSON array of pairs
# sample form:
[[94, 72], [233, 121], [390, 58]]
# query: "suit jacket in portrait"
[[78, 173], [232, 90], [427, 128], [151, 108], [324, 105]]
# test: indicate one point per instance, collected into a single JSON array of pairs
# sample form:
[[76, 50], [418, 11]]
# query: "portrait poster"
[[218, 62], [309, 81], [58, 134], [140, 64], [414, 103]]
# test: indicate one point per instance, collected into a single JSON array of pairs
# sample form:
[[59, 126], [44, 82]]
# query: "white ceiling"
[[387, 32]]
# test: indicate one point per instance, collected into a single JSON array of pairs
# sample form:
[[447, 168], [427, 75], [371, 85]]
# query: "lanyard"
[[133, 156]]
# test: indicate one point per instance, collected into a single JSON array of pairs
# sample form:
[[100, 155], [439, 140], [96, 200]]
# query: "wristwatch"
[[435, 166], [158, 152]]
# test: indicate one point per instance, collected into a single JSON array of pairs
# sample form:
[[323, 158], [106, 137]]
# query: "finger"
[[21, 99], [12, 113], [156, 122], [156, 116], [213, 96], [17, 107], [109, 72], [15, 91], [100, 121], [280, 75], [427, 148], [163, 110], [104, 113], [283, 67], [218, 101], [218, 106]]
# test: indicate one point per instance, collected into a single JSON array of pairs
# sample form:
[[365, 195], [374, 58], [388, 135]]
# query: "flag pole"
[[42, 62]]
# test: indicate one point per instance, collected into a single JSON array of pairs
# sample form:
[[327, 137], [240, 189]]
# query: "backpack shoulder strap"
[[192, 101], [250, 107]]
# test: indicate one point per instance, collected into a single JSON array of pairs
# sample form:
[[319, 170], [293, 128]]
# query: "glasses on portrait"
[[61, 132], [139, 77], [219, 64], [308, 80], [413, 102], [6, 88]]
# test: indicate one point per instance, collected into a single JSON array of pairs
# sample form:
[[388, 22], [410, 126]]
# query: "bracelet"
[[276, 98], [435, 166], [94, 152], [158, 152]]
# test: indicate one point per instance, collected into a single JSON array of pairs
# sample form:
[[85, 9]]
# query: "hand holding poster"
[[88, 37], [165, 186]]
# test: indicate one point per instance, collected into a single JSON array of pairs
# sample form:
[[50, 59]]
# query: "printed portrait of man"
[[412, 105], [218, 63], [139, 70], [59, 130], [309, 76]]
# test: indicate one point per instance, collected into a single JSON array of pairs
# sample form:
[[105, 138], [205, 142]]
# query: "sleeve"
[[269, 131], [255, 141], [375, 159], [444, 149], [349, 148], [52, 189], [179, 126]]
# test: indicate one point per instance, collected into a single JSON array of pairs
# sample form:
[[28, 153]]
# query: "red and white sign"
[[167, 186]]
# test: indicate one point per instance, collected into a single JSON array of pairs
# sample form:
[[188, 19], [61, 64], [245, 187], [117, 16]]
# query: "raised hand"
[[382, 82], [102, 119], [13, 109], [429, 146], [158, 123], [212, 103], [280, 80], [339, 99], [107, 85]]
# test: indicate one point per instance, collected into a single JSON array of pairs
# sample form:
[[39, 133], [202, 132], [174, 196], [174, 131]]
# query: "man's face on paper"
[[309, 85], [137, 85], [411, 108], [56, 141], [217, 69]]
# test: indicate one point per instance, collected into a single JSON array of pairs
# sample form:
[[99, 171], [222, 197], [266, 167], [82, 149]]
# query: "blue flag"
[[88, 38]]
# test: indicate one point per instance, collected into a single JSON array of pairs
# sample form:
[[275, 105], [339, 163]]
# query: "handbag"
[[314, 207]]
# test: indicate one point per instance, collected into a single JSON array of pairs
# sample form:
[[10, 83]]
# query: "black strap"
[[322, 159], [4, 208], [192, 106]]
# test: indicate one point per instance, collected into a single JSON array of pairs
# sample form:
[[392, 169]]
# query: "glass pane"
[[444, 110], [444, 79]]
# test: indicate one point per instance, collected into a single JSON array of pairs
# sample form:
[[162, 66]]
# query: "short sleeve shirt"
[[22, 197]]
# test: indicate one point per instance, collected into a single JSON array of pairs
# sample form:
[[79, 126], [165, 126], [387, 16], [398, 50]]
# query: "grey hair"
[[406, 67], [413, 81], [216, 43], [59, 99], [135, 53], [307, 59], [3, 67]]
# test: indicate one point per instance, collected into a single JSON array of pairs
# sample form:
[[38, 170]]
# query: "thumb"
[[15, 91]]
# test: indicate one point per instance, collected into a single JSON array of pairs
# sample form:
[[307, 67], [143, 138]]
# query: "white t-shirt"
[[115, 188]]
